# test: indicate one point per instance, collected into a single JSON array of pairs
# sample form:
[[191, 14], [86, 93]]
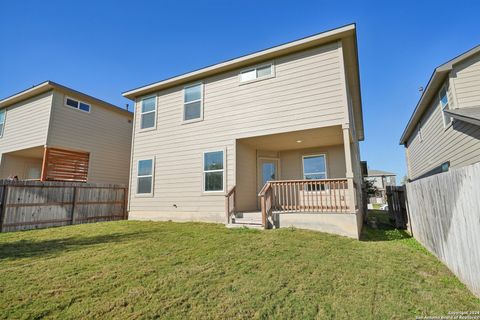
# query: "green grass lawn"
[[132, 269]]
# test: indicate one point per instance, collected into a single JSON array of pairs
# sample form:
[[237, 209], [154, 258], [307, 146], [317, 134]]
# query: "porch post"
[[43, 176], [349, 168]]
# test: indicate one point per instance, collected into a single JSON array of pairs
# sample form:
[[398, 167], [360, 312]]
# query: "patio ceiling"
[[327, 136]]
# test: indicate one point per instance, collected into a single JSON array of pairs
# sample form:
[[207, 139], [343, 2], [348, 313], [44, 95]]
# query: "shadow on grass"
[[30, 248], [379, 228]]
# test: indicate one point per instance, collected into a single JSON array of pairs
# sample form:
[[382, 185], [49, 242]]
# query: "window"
[[213, 171], [2, 121], [445, 166], [75, 104], [445, 106], [420, 137], [256, 73], [145, 177], [314, 167], [148, 112], [192, 102]]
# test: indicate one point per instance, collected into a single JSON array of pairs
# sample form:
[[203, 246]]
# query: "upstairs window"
[[148, 112], [213, 171], [259, 72], [193, 102], [2, 121], [75, 104], [314, 167], [444, 104]]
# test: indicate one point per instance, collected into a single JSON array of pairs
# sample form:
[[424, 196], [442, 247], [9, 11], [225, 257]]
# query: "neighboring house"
[[381, 179], [444, 130], [51, 132], [207, 142]]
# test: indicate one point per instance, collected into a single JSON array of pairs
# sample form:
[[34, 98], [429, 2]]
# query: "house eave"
[[437, 78], [257, 57], [50, 85]]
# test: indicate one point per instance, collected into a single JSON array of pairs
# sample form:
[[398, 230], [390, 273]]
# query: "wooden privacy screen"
[[65, 165]]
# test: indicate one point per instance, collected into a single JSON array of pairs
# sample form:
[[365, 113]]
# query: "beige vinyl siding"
[[105, 133], [26, 123], [306, 92], [466, 78], [458, 143]]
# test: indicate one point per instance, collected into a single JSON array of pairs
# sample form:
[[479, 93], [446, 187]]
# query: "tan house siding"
[[306, 92], [458, 143], [105, 133], [26, 123], [466, 77]]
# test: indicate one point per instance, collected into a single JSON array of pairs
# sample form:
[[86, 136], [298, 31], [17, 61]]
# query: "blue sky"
[[106, 47]]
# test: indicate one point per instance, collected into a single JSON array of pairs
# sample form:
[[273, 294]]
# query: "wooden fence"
[[397, 206], [33, 204], [445, 217]]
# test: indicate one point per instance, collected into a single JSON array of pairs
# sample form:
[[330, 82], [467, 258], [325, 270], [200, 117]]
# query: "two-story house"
[[53, 133], [444, 129], [269, 139], [380, 180]]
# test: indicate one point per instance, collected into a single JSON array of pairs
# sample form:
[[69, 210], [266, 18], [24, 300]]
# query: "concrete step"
[[245, 225]]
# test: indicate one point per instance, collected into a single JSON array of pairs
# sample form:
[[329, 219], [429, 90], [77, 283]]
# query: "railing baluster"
[[315, 195]]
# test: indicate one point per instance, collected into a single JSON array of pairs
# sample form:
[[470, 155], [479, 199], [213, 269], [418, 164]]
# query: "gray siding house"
[[380, 179], [51, 132], [444, 130], [271, 137]]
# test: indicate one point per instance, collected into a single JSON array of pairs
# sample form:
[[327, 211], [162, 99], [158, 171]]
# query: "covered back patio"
[[45, 163], [293, 176]]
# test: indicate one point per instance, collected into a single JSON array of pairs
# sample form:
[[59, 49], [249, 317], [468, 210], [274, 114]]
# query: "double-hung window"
[[259, 72], [213, 171], [445, 106], [148, 112], [2, 121], [145, 171], [76, 104], [314, 167], [193, 102]]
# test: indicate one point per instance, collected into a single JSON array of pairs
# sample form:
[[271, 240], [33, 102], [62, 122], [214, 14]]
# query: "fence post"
[[2, 209], [74, 202], [125, 202]]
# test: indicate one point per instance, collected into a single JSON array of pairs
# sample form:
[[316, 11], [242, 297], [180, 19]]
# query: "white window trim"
[[420, 136], [153, 111], [145, 195], [4, 121], [255, 67], [79, 101], [442, 107], [224, 170], [201, 102], [314, 155]]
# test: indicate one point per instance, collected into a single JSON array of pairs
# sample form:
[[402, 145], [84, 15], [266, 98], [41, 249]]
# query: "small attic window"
[[75, 104]]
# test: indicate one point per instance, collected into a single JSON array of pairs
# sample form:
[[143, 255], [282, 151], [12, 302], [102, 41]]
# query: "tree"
[[370, 188]]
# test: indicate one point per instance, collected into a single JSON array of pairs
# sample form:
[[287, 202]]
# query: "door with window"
[[268, 170]]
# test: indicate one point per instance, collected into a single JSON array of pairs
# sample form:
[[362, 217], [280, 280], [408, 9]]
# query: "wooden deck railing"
[[230, 203], [323, 195], [266, 202]]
